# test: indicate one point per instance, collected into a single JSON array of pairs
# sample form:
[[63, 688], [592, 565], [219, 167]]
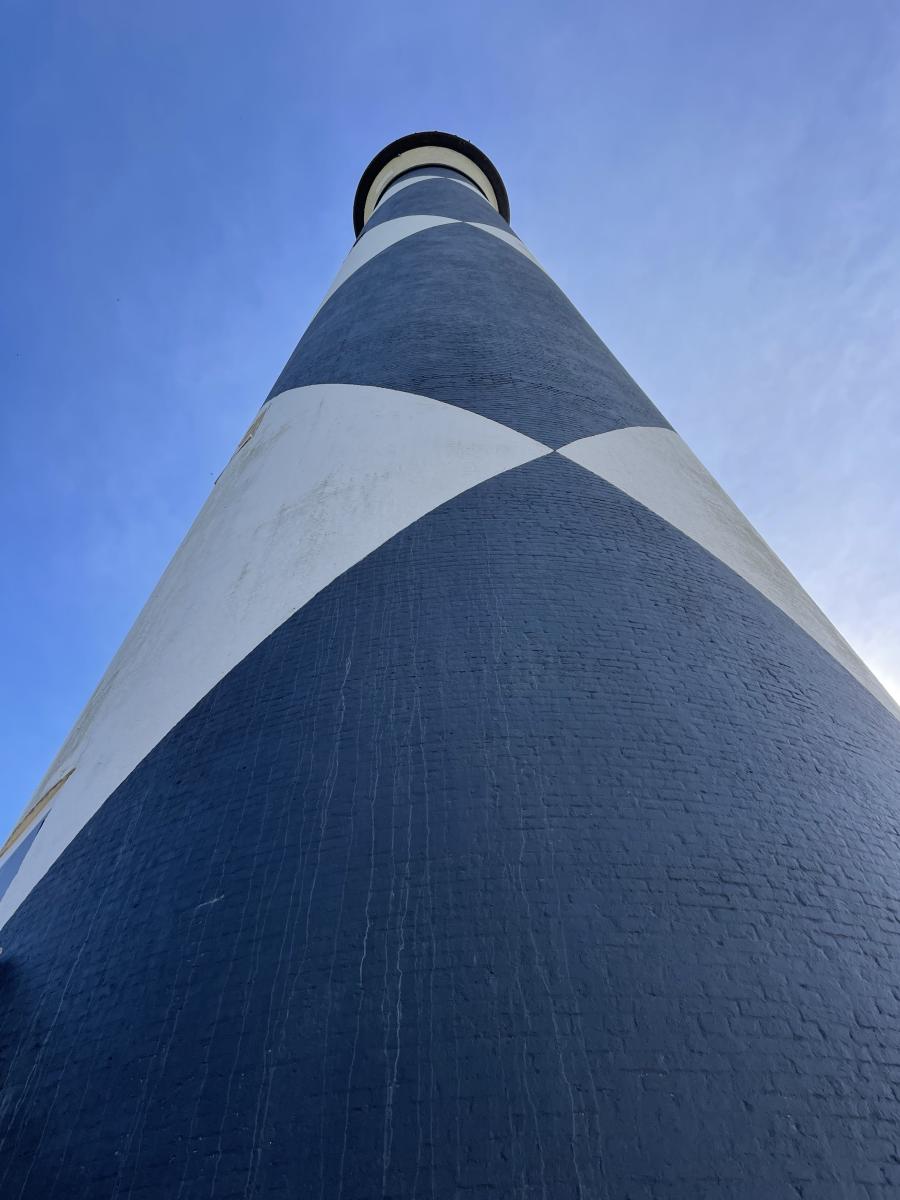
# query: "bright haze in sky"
[[715, 186]]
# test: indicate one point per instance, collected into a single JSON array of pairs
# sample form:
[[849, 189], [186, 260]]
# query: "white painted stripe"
[[505, 236], [426, 156], [656, 468], [383, 236], [332, 472], [379, 239], [405, 183], [14, 846]]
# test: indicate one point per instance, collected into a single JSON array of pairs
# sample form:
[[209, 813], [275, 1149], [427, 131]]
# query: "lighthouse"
[[477, 808]]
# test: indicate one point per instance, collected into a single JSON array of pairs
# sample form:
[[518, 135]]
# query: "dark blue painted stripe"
[[427, 172], [456, 314], [538, 854], [437, 198]]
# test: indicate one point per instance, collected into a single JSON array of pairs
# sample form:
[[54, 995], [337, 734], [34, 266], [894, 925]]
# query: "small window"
[[254, 425]]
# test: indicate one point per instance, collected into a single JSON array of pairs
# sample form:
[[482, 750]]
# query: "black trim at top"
[[413, 141]]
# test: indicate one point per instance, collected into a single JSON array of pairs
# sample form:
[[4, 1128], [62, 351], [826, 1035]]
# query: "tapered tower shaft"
[[478, 807]]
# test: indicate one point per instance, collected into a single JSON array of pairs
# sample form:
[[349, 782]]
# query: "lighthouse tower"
[[477, 808]]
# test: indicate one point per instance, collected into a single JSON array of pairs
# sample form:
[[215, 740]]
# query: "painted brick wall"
[[455, 314], [530, 858], [538, 855]]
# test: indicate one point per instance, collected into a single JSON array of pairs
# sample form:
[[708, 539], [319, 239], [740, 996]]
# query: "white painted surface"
[[14, 846], [427, 156], [383, 236], [332, 472], [379, 239], [26, 828], [656, 468], [405, 183], [505, 236]]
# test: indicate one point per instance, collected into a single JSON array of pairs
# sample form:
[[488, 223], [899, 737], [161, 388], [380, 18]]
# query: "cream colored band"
[[427, 156]]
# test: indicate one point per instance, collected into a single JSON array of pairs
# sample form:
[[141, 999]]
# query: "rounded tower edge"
[[431, 148]]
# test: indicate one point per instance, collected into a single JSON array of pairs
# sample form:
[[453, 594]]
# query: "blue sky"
[[716, 185]]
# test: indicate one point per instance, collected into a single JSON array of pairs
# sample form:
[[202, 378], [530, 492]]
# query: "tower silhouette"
[[477, 808]]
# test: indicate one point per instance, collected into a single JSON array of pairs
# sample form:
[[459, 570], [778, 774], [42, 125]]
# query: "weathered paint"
[[332, 471], [462, 817]]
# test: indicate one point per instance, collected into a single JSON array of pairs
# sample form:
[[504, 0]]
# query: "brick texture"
[[454, 313], [538, 856]]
